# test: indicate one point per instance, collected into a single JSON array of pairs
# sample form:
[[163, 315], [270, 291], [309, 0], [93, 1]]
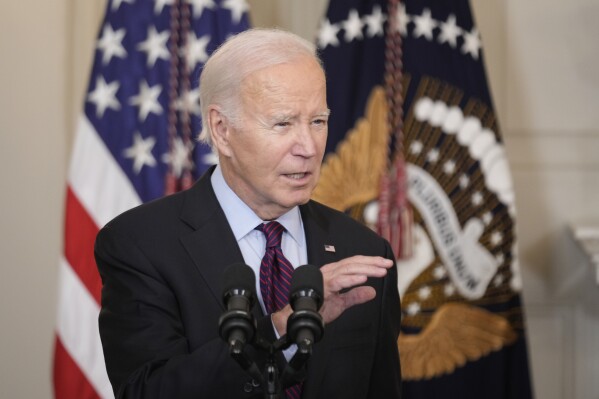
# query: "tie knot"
[[273, 231]]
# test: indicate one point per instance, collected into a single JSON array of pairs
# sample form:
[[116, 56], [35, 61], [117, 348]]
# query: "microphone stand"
[[270, 378], [237, 352], [274, 382]]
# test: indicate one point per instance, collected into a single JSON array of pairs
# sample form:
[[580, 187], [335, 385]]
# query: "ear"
[[220, 131]]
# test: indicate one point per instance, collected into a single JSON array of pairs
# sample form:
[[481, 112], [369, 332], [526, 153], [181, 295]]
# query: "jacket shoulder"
[[340, 224]]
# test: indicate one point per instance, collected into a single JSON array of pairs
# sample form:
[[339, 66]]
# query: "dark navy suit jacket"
[[161, 266]]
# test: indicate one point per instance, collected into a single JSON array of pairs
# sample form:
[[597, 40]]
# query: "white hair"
[[237, 58]]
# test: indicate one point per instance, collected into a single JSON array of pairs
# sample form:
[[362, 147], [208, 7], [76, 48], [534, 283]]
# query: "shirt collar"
[[243, 220]]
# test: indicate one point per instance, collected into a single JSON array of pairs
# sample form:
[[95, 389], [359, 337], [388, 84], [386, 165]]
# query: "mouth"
[[297, 176], [299, 179]]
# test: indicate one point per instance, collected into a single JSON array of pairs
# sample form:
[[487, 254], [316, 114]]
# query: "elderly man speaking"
[[264, 112]]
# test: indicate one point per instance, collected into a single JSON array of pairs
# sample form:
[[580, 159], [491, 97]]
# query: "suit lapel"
[[212, 245]]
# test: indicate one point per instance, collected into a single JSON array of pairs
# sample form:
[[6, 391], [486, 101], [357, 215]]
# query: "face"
[[272, 159]]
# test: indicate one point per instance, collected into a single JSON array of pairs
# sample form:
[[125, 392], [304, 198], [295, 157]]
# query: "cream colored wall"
[[33, 141], [541, 58], [542, 61], [45, 52]]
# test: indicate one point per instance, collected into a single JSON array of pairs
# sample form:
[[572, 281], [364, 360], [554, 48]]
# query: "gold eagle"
[[350, 179]]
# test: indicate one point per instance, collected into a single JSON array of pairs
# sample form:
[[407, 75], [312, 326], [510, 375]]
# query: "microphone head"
[[239, 279], [307, 281]]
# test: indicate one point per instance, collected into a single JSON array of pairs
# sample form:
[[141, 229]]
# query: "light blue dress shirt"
[[252, 243]]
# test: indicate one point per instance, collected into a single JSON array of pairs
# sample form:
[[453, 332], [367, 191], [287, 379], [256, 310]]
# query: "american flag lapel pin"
[[329, 248]]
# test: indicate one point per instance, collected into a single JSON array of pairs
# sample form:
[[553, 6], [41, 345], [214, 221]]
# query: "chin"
[[294, 199]]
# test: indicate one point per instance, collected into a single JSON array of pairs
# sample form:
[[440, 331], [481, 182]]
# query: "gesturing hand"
[[340, 277], [338, 280]]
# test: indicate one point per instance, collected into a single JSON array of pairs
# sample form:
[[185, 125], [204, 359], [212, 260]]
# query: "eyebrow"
[[289, 116], [325, 113]]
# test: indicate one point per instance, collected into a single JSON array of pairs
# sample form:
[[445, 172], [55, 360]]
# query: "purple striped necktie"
[[275, 280]]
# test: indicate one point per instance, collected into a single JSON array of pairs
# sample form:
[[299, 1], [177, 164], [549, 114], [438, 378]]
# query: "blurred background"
[[542, 58]]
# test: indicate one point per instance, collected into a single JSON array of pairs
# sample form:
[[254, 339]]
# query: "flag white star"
[[141, 152], [327, 34], [110, 44], [449, 289], [190, 102], [117, 3], [487, 218], [498, 280], [449, 31], [416, 147], [413, 309], [179, 157], [496, 238], [199, 5], [433, 155], [237, 7], [155, 45], [104, 96], [402, 20], [424, 25], [353, 26], [147, 100], [159, 5], [449, 167], [472, 43], [195, 50], [464, 181], [374, 22], [424, 293], [477, 198], [439, 272], [500, 258]]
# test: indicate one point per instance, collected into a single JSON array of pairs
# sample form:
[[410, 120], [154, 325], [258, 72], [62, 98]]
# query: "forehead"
[[303, 76]]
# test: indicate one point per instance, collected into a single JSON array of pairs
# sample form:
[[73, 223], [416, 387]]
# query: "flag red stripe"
[[80, 234], [69, 381]]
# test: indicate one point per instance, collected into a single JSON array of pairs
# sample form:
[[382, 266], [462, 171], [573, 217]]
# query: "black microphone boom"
[[305, 325], [237, 325]]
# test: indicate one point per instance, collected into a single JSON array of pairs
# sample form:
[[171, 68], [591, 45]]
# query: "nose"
[[305, 142]]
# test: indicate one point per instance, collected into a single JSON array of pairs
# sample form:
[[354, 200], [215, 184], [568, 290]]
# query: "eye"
[[320, 122], [282, 124]]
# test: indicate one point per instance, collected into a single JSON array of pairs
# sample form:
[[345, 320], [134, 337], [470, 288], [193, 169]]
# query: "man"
[[264, 112]]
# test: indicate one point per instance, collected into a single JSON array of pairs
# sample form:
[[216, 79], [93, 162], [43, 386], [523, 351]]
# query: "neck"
[[266, 212]]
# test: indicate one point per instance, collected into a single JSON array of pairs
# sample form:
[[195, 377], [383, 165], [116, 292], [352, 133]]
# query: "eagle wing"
[[351, 175], [457, 333]]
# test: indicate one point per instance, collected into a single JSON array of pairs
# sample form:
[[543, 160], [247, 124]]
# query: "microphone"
[[305, 325], [237, 325]]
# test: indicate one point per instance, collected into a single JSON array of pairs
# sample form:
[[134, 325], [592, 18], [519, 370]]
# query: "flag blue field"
[[462, 332]]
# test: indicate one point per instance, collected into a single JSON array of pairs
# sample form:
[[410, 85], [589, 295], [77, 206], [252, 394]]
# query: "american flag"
[[462, 331], [135, 142]]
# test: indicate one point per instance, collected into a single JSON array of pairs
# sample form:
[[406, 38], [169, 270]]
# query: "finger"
[[358, 296], [336, 271], [337, 303], [377, 261], [341, 282], [358, 264]]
